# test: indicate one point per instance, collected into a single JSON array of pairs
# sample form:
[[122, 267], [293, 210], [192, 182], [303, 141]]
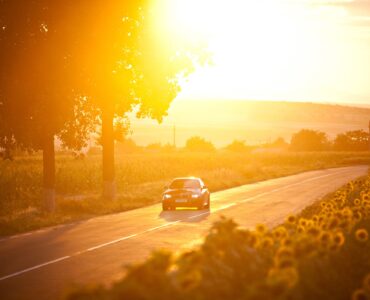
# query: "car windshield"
[[185, 183]]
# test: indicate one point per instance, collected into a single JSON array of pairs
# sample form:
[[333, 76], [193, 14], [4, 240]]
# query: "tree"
[[39, 98], [279, 143], [357, 140], [199, 144], [309, 140], [238, 146], [138, 68], [127, 145]]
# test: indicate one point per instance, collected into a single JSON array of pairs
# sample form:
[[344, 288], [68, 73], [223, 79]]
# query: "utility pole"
[[174, 135], [369, 136]]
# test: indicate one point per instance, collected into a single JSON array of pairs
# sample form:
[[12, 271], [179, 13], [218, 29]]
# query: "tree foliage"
[[122, 62], [59, 57], [238, 146], [199, 144], [309, 140], [39, 96], [357, 140]]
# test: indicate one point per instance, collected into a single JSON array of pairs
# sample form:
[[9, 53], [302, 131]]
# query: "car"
[[186, 192]]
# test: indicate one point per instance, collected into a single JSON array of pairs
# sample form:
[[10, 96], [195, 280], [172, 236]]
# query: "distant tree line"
[[312, 140], [303, 140]]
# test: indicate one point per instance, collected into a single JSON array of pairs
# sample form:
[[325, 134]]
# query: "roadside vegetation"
[[323, 253], [141, 178], [313, 140]]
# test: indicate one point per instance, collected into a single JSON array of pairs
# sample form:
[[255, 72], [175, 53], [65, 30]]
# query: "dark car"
[[186, 192]]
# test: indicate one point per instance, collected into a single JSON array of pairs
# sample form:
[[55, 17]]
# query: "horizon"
[[239, 120], [365, 103]]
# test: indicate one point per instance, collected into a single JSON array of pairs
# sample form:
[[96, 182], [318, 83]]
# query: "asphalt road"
[[44, 264]]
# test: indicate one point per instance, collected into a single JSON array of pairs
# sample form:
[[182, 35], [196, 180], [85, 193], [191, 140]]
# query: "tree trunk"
[[49, 173], [109, 185]]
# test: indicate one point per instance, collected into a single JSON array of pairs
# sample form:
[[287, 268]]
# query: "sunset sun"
[[269, 49]]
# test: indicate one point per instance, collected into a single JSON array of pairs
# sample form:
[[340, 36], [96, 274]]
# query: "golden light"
[[265, 49]]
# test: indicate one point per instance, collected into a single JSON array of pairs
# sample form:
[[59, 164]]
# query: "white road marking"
[[227, 206], [160, 227], [87, 250], [287, 187], [198, 215], [110, 243], [35, 267], [48, 229]]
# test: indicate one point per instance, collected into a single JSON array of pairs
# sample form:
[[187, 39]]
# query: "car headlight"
[[166, 196], [195, 196]]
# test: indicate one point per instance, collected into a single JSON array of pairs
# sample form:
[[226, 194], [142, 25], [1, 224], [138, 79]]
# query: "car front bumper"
[[190, 202]]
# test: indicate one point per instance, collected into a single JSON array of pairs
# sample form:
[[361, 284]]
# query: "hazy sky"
[[300, 50]]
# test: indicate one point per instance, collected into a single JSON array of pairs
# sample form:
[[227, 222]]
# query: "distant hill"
[[252, 121]]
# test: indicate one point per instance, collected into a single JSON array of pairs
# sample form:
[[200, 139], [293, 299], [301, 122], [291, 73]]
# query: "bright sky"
[[298, 50]]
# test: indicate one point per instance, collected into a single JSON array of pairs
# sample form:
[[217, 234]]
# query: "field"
[[140, 180], [323, 253]]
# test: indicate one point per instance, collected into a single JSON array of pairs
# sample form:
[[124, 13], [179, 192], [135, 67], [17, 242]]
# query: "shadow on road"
[[185, 215]]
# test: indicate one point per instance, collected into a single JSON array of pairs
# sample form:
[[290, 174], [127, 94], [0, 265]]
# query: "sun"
[[266, 47]]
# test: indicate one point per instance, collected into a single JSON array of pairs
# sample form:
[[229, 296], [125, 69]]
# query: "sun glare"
[[266, 49]]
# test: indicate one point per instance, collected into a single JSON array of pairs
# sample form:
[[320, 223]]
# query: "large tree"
[[126, 64], [39, 98]]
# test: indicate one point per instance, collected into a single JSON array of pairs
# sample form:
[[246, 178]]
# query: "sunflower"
[[261, 228], [291, 220], [362, 235], [324, 237], [359, 295], [339, 238]]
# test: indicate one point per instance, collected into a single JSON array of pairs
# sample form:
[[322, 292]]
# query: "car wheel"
[[208, 205], [165, 207], [201, 205]]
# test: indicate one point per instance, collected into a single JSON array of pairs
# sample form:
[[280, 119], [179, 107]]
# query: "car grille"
[[183, 195]]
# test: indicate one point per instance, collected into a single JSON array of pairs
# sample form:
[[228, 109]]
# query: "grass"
[[324, 253], [140, 181]]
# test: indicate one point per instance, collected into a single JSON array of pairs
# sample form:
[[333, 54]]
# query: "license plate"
[[181, 200]]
